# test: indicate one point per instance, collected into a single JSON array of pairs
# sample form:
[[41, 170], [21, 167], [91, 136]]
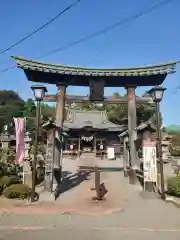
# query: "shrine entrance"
[[87, 145], [97, 80]]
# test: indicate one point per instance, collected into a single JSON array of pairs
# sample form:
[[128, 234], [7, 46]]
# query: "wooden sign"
[[149, 161], [96, 91]]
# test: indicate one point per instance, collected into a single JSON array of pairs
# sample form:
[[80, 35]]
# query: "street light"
[[39, 92], [157, 95]]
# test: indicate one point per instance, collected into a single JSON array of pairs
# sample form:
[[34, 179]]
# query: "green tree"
[[118, 113], [29, 112], [11, 105], [47, 111]]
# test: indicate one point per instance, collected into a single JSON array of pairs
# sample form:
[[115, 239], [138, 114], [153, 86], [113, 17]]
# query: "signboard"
[[96, 90], [110, 153], [149, 161]]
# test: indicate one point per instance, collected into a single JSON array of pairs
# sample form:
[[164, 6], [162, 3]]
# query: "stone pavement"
[[78, 197], [130, 215], [75, 192], [139, 218]]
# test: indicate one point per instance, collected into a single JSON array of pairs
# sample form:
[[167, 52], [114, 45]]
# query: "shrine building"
[[90, 132]]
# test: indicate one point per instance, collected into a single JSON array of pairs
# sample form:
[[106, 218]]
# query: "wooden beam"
[[110, 100]]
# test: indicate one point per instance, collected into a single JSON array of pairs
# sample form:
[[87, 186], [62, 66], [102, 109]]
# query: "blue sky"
[[153, 38]]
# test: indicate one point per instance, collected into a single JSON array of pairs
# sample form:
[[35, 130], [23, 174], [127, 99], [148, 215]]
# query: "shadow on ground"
[[102, 169], [70, 181]]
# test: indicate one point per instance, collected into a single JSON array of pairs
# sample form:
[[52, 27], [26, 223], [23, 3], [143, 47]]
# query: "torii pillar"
[[132, 123], [60, 104]]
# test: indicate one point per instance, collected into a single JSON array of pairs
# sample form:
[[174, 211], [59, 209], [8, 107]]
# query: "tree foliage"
[[118, 113], [11, 105], [174, 148]]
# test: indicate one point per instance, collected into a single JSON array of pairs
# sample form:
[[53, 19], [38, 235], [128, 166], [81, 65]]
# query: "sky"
[[151, 39]]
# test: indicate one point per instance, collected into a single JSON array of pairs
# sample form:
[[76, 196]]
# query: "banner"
[[20, 145], [150, 162], [110, 153]]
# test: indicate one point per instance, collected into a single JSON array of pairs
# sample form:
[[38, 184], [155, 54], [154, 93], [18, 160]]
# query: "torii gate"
[[64, 76]]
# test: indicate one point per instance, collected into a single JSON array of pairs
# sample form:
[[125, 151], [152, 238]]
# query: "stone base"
[[149, 187], [132, 176], [28, 179], [149, 195]]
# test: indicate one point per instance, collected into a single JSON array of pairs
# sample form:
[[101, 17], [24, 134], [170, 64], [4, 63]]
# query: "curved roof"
[[78, 119], [44, 70]]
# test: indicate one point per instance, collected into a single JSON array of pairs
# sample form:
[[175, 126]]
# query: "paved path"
[[140, 218], [137, 217]]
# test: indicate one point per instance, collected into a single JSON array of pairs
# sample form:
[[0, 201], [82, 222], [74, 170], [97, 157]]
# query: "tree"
[[174, 148], [29, 112], [118, 113], [11, 105], [47, 111]]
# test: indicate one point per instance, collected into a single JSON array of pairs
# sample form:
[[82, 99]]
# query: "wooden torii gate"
[[64, 76]]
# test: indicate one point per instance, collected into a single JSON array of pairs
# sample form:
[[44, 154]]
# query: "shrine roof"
[[148, 124], [49, 73], [79, 119]]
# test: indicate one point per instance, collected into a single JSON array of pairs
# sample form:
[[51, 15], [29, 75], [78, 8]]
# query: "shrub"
[[17, 191], [6, 181], [173, 186]]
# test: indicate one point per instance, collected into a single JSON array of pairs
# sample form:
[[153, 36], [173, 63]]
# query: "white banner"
[[110, 153], [150, 162]]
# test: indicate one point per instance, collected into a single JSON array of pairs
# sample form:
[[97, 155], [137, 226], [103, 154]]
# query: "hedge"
[[17, 191], [173, 186], [6, 181]]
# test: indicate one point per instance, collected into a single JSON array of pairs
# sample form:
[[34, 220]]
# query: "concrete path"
[[139, 219], [136, 216]]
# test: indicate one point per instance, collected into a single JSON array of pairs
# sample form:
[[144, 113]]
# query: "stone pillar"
[[132, 122], [27, 142], [5, 141], [27, 173], [79, 146], [60, 104], [48, 179], [148, 186], [94, 147], [125, 156]]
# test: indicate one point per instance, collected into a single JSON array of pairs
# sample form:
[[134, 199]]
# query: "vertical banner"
[[150, 162], [20, 144], [110, 153]]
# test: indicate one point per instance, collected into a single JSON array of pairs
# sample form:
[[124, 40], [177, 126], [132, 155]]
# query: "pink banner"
[[20, 145]]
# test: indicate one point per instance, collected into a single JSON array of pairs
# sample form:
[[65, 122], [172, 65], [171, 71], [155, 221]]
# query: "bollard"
[[97, 182]]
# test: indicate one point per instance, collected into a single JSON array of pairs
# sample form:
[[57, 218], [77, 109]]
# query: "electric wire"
[[41, 27], [102, 31]]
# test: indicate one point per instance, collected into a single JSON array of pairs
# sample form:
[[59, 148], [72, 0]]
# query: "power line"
[[126, 24], [109, 28], [40, 28], [102, 31]]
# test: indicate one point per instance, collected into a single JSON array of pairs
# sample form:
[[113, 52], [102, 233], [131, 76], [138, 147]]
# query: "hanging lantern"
[[101, 147], [71, 146]]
